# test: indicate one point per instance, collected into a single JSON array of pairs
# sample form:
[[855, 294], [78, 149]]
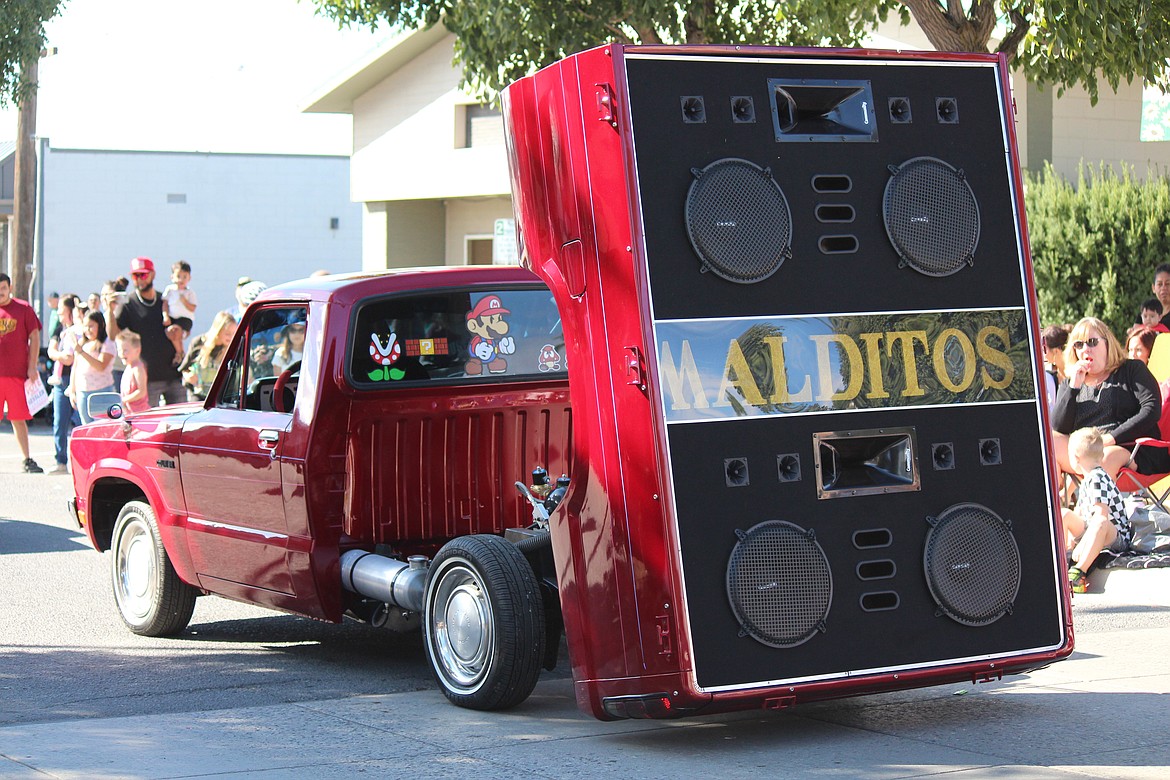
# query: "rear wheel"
[[483, 619], [151, 598]]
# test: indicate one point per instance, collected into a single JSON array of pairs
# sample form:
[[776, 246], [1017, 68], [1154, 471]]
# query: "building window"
[[478, 250], [478, 126]]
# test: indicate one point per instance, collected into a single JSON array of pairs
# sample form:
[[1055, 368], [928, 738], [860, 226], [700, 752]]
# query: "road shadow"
[[23, 537]]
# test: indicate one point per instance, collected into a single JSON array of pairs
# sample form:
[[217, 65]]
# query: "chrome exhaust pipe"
[[402, 584]]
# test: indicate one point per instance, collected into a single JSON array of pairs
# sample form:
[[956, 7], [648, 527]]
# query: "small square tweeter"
[[900, 113], [735, 471], [947, 109], [743, 110], [789, 467], [694, 111], [990, 453], [942, 455]]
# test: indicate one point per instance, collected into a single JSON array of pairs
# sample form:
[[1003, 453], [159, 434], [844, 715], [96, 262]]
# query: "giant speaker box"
[[839, 341]]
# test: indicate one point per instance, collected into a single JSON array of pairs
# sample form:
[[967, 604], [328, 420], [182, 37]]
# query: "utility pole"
[[24, 198]]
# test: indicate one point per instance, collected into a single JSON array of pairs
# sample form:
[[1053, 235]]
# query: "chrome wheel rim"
[[462, 628], [135, 573]]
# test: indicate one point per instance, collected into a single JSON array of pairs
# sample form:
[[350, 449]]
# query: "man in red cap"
[[20, 345], [491, 339], [143, 313]]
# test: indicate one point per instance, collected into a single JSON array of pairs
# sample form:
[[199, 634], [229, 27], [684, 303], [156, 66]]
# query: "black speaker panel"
[[835, 266], [882, 612]]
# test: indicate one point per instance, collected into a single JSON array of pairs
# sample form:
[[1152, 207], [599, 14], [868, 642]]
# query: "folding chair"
[[1129, 480]]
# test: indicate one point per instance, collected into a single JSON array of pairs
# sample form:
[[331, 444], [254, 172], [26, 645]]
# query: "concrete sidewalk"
[[1099, 714]]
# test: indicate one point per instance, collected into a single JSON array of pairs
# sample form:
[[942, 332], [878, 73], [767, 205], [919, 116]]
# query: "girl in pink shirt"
[[93, 365]]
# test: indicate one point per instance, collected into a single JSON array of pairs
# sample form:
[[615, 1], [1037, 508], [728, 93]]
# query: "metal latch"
[[779, 702], [606, 111], [635, 368], [665, 643]]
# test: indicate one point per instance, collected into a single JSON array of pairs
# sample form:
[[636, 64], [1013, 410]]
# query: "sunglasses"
[[137, 274], [1079, 345]]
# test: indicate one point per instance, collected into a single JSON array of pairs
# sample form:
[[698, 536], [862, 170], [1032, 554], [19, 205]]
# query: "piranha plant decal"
[[385, 355]]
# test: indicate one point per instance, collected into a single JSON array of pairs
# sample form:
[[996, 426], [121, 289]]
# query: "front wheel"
[[483, 619], [151, 598]]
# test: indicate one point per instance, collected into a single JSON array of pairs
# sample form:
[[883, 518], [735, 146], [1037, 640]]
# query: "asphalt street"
[[251, 693]]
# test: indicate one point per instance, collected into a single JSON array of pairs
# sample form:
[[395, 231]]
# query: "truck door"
[[230, 462]]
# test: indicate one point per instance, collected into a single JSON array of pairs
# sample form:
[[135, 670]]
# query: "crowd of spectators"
[[130, 338], [1103, 399]]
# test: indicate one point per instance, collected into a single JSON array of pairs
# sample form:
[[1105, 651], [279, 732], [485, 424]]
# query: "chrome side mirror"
[[104, 406]]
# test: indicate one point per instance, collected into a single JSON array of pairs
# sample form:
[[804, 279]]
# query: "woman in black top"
[[1106, 390]]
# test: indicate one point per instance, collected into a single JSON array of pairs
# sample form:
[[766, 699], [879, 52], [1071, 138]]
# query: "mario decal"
[[385, 355], [490, 341]]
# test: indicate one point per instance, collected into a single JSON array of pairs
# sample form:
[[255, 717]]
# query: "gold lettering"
[[780, 372], [675, 377], [995, 357], [877, 388], [940, 360], [850, 363], [743, 381], [909, 365]]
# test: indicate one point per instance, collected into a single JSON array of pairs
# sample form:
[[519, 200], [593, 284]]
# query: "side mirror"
[[104, 406]]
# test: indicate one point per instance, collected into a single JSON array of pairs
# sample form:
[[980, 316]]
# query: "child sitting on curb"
[[1098, 522]]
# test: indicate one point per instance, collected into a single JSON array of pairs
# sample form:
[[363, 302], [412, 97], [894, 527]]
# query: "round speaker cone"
[[931, 216], [779, 584], [738, 220], [972, 565]]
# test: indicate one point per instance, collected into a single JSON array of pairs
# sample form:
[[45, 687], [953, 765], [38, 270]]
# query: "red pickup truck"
[[419, 399], [808, 456]]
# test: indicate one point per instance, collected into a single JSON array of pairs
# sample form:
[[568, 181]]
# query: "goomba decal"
[[550, 359], [385, 355]]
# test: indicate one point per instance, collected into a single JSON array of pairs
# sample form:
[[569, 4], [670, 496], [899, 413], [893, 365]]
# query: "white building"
[[430, 169], [273, 218]]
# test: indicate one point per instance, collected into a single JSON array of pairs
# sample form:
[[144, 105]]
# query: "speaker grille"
[[738, 220], [779, 584], [931, 216], [972, 564]]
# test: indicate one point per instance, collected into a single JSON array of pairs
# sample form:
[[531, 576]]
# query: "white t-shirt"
[[178, 300]]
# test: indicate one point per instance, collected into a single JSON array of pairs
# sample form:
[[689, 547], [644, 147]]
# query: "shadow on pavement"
[[21, 537]]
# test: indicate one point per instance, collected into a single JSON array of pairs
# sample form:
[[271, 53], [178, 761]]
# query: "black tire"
[[484, 588], [151, 598]]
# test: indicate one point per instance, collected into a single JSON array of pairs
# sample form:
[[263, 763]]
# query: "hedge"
[[1095, 245]]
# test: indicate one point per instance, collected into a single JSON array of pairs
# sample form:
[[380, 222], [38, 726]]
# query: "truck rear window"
[[456, 337]]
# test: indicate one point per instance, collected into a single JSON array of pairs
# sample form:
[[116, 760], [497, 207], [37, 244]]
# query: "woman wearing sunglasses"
[[1106, 390]]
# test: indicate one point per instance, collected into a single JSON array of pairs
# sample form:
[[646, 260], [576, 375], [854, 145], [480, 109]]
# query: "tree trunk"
[[24, 203], [950, 29]]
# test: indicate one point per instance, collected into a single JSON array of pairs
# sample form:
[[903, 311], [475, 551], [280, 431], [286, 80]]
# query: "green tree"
[[22, 37], [1061, 42], [1095, 242]]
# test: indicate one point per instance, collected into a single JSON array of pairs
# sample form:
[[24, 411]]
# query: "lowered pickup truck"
[[807, 455], [419, 399]]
